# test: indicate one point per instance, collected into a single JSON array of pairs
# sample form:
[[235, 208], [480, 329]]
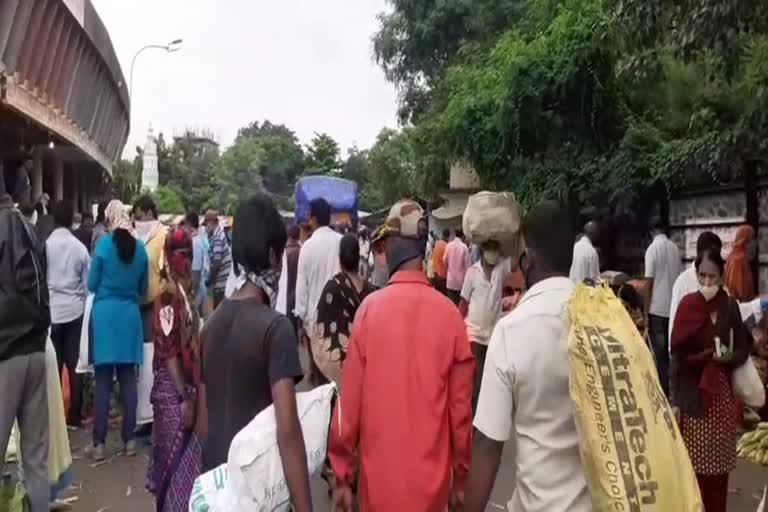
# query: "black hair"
[[708, 240], [62, 214], [146, 204], [193, 219], [27, 209], [294, 232], [446, 233], [349, 253], [658, 224], [125, 244], [101, 212], [713, 255], [320, 210], [459, 233], [548, 232], [86, 215], [630, 295], [259, 229]]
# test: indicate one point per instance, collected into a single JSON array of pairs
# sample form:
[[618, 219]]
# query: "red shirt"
[[438, 259], [405, 406]]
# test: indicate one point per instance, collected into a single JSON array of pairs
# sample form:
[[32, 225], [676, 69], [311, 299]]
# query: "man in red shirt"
[[405, 406]]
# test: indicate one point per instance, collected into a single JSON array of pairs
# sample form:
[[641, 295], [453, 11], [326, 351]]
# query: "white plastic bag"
[[255, 469], [747, 386], [211, 493], [494, 216], [144, 411], [82, 361]]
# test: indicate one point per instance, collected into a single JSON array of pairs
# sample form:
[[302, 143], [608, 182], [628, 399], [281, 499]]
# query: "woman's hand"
[[188, 414], [342, 498]]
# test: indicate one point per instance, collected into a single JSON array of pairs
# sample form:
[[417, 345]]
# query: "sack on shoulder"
[[632, 451]]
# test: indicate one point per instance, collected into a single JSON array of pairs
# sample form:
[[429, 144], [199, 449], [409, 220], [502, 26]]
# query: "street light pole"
[[171, 47]]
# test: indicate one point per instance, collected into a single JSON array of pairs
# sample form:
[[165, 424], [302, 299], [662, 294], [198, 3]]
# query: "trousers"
[[66, 341], [659, 334], [126, 379], [25, 399]]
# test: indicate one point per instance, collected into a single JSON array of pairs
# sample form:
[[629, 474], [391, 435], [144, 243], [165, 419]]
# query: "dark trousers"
[[440, 284], [714, 492], [479, 351], [218, 297], [126, 379], [454, 296], [66, 341], [659, 334]]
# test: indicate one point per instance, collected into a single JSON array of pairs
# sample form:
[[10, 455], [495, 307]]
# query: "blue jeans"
[[126, 378]]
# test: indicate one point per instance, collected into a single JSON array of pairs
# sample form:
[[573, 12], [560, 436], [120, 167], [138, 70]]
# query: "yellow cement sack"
[[634, 457]]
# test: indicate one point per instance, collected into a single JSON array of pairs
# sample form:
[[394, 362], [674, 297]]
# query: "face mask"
[[491, 257], [709, 291]]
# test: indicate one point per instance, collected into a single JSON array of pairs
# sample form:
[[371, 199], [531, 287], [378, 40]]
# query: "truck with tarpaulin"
[[340, 193]]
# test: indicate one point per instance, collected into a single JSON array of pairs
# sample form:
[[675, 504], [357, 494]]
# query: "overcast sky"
[[305, 63]]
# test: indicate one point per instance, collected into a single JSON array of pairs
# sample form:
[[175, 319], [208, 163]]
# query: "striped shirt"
[[220, 252]]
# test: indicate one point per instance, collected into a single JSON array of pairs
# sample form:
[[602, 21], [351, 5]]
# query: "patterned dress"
[[176, 456], [711, 440]]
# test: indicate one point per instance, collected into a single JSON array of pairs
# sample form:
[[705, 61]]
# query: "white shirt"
[[688, 283], [68, 263], [662, 264], [524, 396], [318, 263], [484, 299], [586, 262]]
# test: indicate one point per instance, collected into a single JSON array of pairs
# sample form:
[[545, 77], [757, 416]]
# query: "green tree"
[[169, 200], [126, 179], [238, 174], [323, 154], [188, 166], [391, 169]]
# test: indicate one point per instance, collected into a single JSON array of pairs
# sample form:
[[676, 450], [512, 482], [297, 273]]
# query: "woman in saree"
[[336, 310], [175, 459], [738, 269], [709, 341]]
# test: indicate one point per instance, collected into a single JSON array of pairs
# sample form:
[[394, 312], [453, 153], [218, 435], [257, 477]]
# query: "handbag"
[[747, 386]]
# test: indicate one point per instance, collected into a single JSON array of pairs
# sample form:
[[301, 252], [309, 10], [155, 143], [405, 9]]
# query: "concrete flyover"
[[64, 105]]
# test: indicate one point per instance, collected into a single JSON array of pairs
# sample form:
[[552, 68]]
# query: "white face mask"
[[491, 257], [709, 291]]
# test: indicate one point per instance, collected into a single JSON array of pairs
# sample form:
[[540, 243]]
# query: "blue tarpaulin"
[[341, 194]]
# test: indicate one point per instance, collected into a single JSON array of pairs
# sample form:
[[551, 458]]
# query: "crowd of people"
[[425, 336]]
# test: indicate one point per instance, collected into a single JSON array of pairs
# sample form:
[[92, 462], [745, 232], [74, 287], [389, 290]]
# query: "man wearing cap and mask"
[[407, 386]]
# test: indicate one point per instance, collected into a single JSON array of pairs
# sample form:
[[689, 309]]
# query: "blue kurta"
[[119, 288]]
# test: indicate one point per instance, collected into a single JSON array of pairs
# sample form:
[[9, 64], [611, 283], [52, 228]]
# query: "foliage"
[[392, 168], [187, 167], [169, 200], [323, 154], [238, 173], [126, 179], [592, 101]]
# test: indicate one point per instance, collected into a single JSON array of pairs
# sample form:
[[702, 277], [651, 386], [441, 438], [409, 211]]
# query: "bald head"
[[592, 230]]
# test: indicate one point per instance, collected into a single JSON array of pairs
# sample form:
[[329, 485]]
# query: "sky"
[[305, 63]]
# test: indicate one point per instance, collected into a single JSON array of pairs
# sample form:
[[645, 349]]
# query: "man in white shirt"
[[663, 265], [586, 261], [68, 263], [318, 263], [524, 396], [481, 304]]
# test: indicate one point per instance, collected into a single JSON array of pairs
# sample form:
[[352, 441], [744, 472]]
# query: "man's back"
[[24, 307], [662, 264], [406, 396], [67, 275], [586, 262], [525, 394], [456, 263], [318, 263], [438, 258]]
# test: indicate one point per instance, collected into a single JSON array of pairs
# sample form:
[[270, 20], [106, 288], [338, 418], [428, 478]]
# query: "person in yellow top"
[[153, 233]]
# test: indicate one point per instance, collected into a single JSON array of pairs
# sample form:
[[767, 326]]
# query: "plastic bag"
[[494, 216], [83, 364], [341, 194], [13, 498], [747, 386], [253, 477], [632, 451]]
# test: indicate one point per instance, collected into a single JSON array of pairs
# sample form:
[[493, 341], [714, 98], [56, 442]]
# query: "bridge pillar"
[[37, 175], [58, 179], [75, 189]]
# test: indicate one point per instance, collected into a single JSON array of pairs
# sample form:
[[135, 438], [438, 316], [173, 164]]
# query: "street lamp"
[[171, 47]]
